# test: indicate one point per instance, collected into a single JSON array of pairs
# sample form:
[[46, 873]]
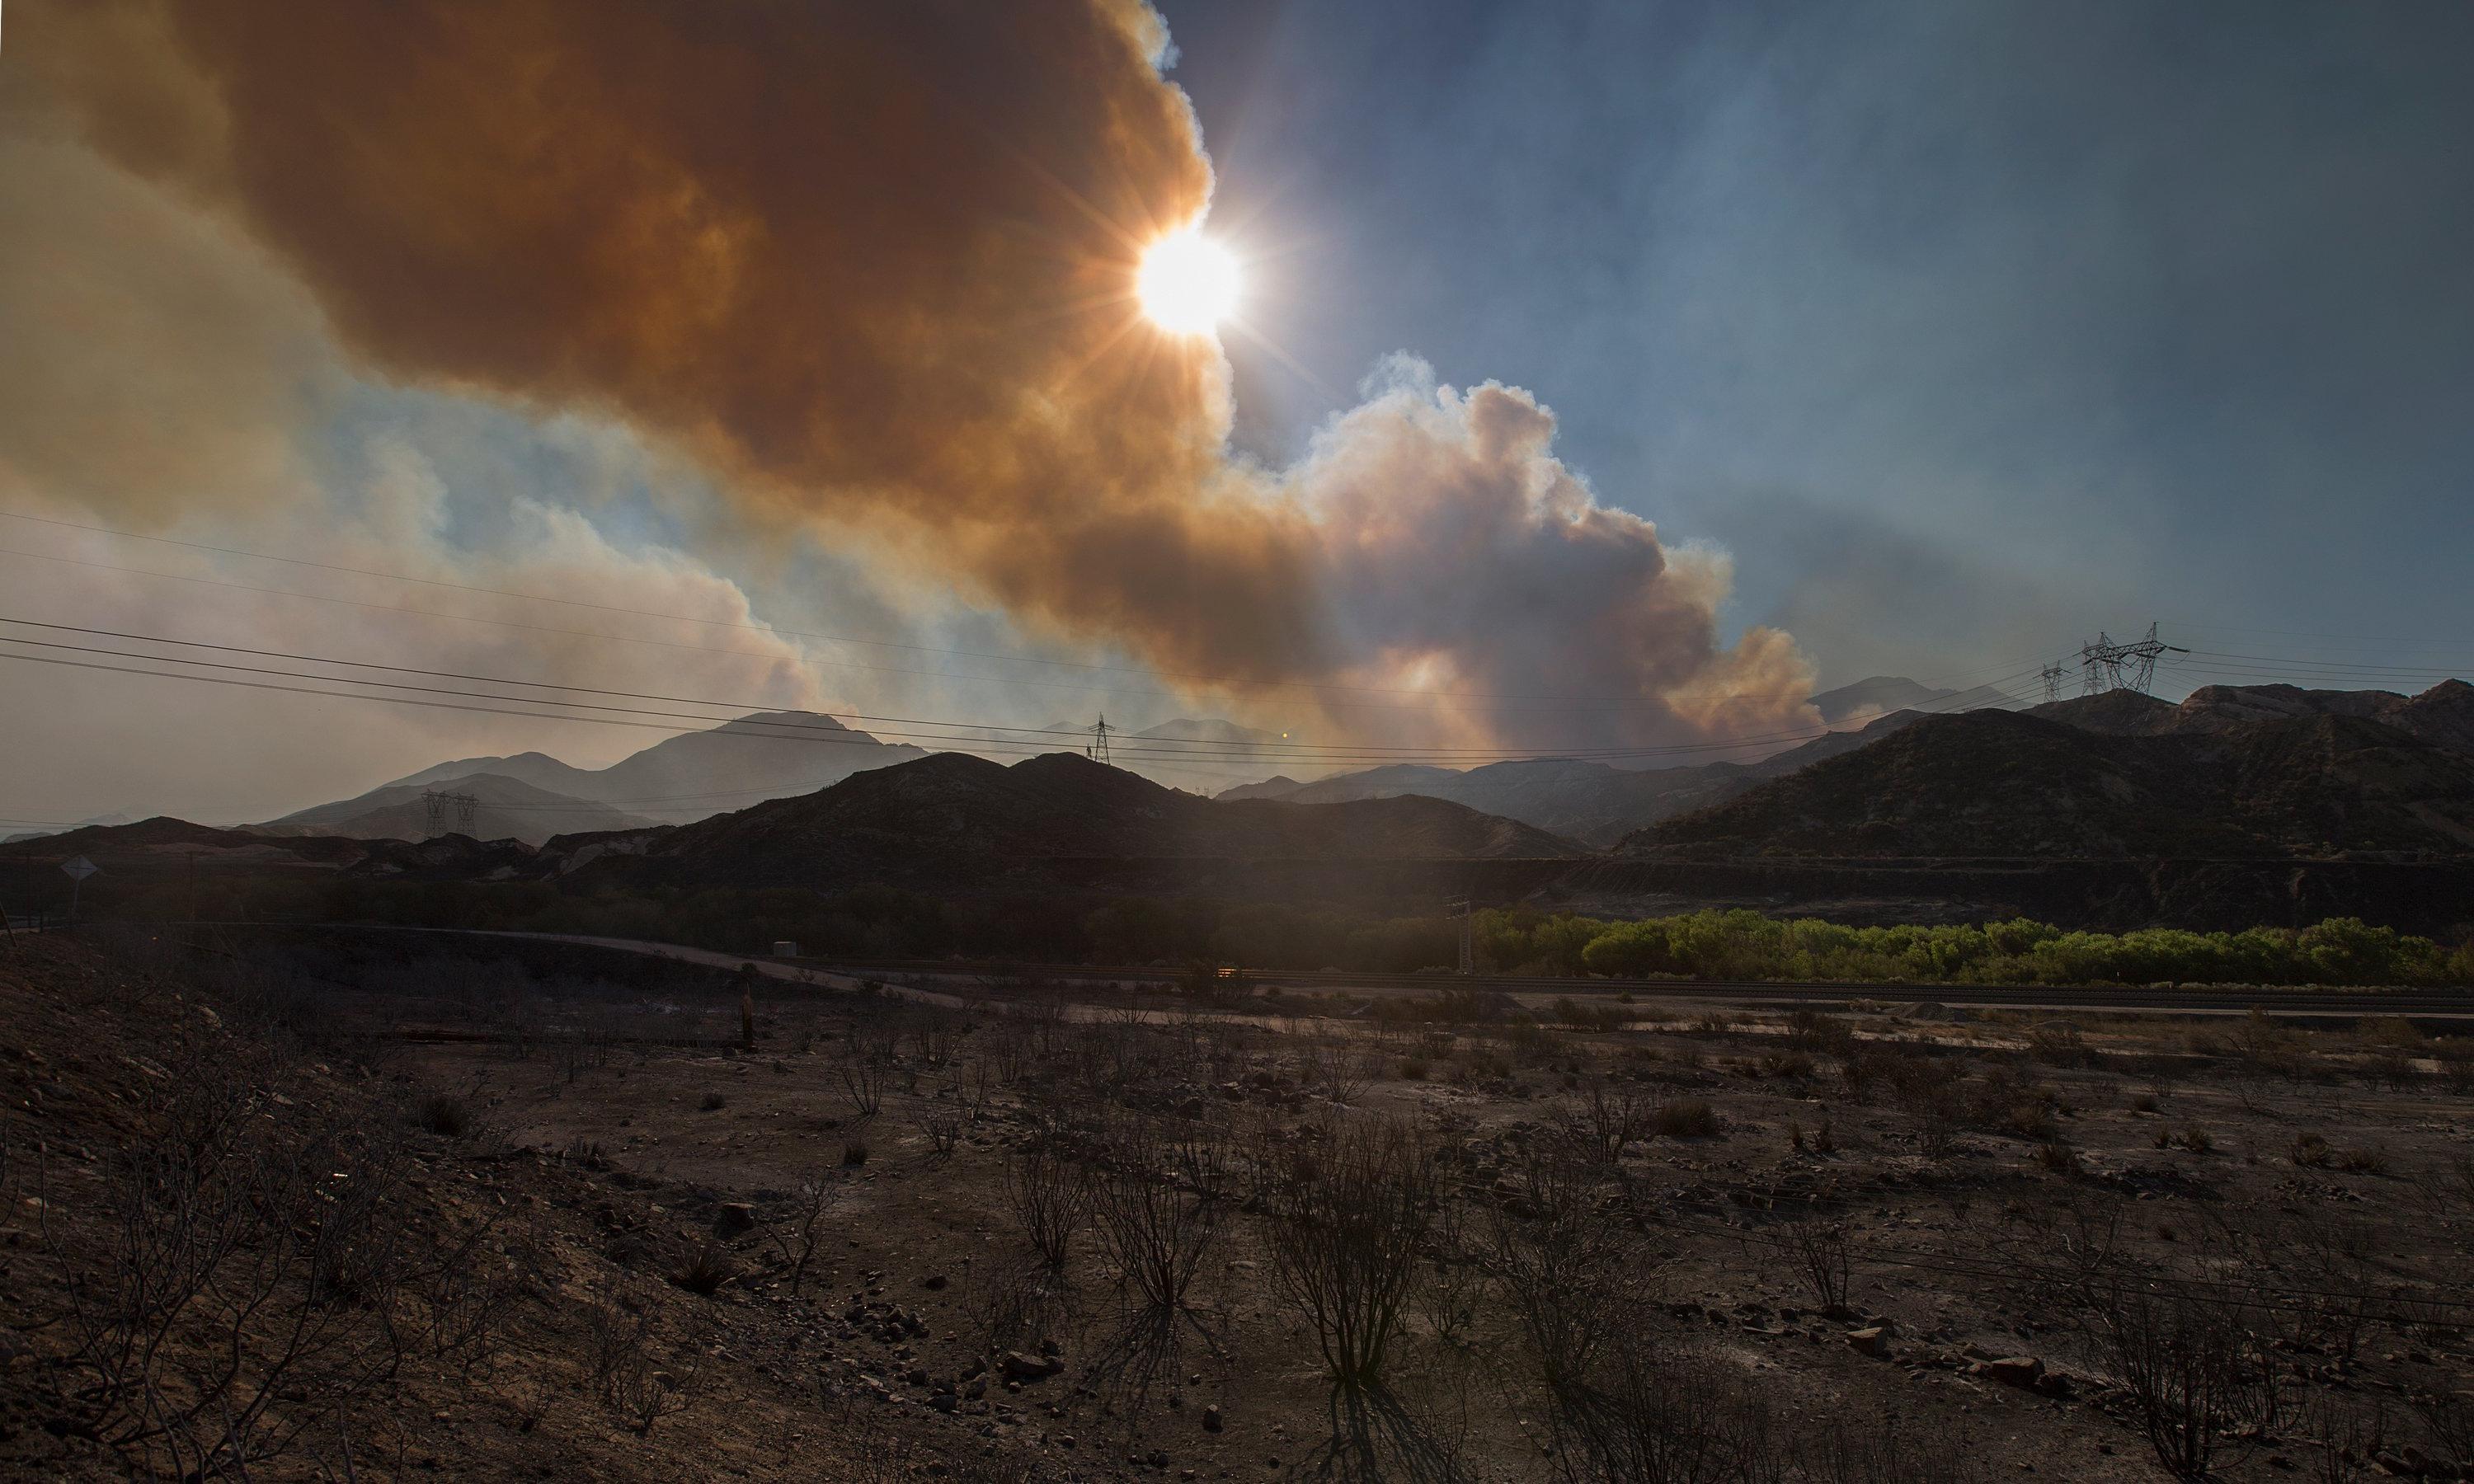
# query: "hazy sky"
[[1967, 327], [1947, 332]]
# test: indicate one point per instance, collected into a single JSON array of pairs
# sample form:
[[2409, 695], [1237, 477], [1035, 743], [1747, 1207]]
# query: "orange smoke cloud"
[[871, 264]]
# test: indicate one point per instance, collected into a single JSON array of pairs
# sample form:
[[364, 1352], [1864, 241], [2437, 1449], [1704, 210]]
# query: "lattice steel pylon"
[[1098, 750], [2105, 665], [465, 807], [2052, 676]]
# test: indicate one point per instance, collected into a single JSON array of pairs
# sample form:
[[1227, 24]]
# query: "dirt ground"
[[1871, 1246]]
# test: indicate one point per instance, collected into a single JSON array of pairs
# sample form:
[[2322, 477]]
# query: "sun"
[[1187, 283]]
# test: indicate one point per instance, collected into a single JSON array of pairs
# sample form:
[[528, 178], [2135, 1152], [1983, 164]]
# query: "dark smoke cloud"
[[869, 264]]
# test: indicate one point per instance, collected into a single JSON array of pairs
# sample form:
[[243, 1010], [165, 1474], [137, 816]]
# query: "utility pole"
[[1098, 750], [2053, 677], [1459, 907]]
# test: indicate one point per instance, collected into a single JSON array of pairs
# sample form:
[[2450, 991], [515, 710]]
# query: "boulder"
[[1019, 1367], [2020, 1371]]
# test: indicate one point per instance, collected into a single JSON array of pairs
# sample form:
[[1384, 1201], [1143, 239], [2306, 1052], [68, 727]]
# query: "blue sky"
[[1967, 327]]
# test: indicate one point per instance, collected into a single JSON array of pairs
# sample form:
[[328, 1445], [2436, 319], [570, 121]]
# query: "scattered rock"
[[1019, 1367], [2021, 1371]]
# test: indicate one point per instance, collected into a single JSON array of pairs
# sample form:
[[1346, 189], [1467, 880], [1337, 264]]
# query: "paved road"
[[961, 984]]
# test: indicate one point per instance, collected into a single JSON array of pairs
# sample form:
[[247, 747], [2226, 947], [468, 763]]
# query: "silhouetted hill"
[[1584, 800], [952, 816], [1992, 783], [2443, 716], [1277, 786]]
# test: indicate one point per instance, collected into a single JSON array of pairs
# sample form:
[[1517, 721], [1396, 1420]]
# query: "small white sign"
[[79, 867]]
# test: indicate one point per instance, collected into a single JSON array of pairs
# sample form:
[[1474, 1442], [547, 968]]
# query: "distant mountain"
[[506, 809], [1992, 783], [116, 817], [954, 818], [539, 769], [769, 755], [1277, 786], [1878, 695], [1588, 802]]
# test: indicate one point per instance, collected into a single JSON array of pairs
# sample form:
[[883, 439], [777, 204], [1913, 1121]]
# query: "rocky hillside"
[[2443, 716], [1990, 783]]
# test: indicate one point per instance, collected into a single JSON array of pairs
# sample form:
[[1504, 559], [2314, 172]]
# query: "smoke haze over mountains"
[[858, 276]]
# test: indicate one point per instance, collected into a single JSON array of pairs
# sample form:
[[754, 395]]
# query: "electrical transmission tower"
[[2052, 677], [462, 806], [2104, 665], [1098, 750], [1459, 907]]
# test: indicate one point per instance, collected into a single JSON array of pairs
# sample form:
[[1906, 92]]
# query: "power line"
[[999, 747], [952, 732], [1146, 671], [2348, 667]]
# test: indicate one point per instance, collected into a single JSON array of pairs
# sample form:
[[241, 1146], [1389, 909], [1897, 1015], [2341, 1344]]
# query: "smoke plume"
[[868, 264]]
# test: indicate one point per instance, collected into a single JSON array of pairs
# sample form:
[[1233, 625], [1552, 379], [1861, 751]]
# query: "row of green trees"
[[881, 921], [1749, 946]]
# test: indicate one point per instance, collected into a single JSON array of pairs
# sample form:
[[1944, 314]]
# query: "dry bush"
[[1345, 1232], [1846, 1450], [459, 1300], [1336, 1071], [243, 1260], [936, 1031], [1014, 1301], [445, 1115], [625, 1375], [944, 1131], [797, 1231], [1640, 1413], [1452, 1290], [704, 1271], [1608, 1114], [1825, 1259], [1811, 1030], [1203, 1156], [1049, 1199], [1153, 1231], [2196, 1379], [1569, 1263], [866, 1065], [1684, 1118]]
